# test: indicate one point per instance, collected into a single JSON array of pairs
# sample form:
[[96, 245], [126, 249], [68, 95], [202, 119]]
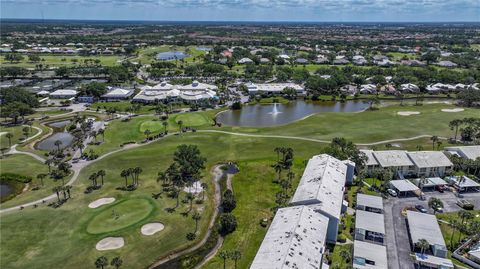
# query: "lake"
[[171, 55], [5, 190], [49, 142], [278, 114]]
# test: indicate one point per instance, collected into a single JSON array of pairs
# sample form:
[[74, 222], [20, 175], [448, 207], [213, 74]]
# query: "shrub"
[[341, 238], [227, 224]]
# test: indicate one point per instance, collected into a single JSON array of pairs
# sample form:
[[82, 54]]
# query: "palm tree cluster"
[[469, 130], [102, 262], [93, 178], [464, 224], [284, 162], [471, 167], [384, 175], [134, 173], [65, 190], [233, 255]]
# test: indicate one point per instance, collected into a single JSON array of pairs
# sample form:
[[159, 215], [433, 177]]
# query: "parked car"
[[392, 192], [421, 208], [438, 209], [440, 188], [465, 204]]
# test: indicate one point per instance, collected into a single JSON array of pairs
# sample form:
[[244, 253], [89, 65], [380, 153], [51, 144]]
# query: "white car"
[[392, 192]]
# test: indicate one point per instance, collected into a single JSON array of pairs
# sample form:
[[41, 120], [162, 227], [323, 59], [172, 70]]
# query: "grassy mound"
[[119, 216]]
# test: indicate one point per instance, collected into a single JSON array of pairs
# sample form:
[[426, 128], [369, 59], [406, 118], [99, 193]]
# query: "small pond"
[[277, 114], [49, 143], [5, 190], [59, 124], [171, 55]]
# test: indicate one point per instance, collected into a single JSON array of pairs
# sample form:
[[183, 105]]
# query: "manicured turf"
[[18, 136], [27, 166], [46, 243], [119, 216], [56, 60]]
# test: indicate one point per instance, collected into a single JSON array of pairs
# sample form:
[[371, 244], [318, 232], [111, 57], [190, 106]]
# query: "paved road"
[[398, 245]]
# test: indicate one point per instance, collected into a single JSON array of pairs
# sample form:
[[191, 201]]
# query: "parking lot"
[[397, 241]]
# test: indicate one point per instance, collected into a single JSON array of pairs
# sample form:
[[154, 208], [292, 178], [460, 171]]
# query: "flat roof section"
[[322, 183], [295, 239], [403, 185], [431, 182], [433, 260], [424, 226], [372, 252], [427, 159], [371, 161], [392, 158], [471, 152], [370, 221], [369, 201]]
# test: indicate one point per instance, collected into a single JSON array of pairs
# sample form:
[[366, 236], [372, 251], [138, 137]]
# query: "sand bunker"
[[101, 201], [408, 113], [109, 243], [152, 228], [453, 110], [196, 188]]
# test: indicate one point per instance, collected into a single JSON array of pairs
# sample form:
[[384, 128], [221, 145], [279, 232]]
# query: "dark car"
[[440, 188], [421, 208]]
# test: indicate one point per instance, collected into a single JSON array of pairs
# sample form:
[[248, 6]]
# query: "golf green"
[[119, 216], [153, 126], [192, 119]]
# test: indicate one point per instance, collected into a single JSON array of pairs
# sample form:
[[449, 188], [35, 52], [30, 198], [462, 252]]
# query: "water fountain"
[[275, 110]]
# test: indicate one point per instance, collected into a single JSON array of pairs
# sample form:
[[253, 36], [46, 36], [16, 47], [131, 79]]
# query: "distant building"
[[369, 203], [63, 94], [409, 88], [370, 227], [165, 91], [273, 88], [466, 152], [245, 61], [116, 94], [369, 256], [448, 64], [86, 99]]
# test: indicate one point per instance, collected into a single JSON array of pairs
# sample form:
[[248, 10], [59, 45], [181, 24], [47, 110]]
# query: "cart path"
[[318, 140]]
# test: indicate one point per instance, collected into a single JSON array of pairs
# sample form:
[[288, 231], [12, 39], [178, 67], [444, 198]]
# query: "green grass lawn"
[[119, 132], [27, 166], [56, 60], [18, 136], [337, 259], [50, 235], [368, 126]]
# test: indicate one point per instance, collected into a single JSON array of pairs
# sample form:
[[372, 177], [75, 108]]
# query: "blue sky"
[[245, 10]]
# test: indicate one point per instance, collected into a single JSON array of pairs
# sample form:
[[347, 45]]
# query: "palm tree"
[[9, 136], [180, 125], [165, 125], [435, 203], [454, 124], [235, 256], [67, 189], [423, 245], [454, 223], [49, 162], [196, 217], [137, 171], [278, 150], [56, 190], [125, 173], [224, 255], [346, 255], [147, 133], [434, 140], [464, 215], [94, 135], [204, 189], [41, 177], [101, 262], [117, 262], [93, 177], [101, 173], [58, 143], [162, 176], [102, 132]]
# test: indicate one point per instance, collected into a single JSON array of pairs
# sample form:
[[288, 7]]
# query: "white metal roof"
[[322, 183], [370, 221], [424, 226], [273, 87], [426, 159], [370, 158], [372, 252], [369, 200], [392, 158], [463, 182], [64, 92], [470, 152], [295, 239], [431, 181], [433, 260], [403, 185], [118, 92]]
